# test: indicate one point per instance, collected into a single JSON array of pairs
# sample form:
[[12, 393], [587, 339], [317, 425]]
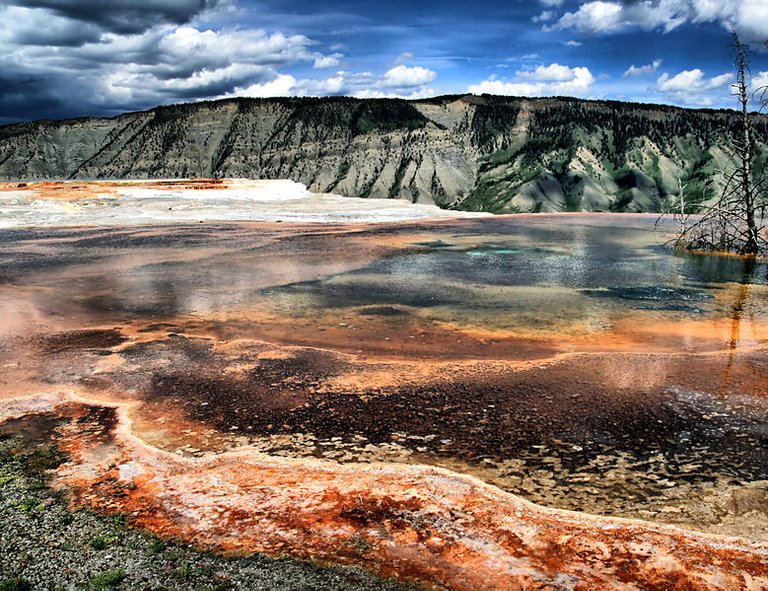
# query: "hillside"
[[481, 153]]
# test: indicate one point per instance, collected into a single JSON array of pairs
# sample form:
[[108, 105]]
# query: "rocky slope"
[[482, 153]]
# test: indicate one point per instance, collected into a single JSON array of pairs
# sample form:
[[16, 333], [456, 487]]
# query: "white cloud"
[[187, 47], [748, 17], [190, 63], [398, 82], [553, 72], [554, 79], [593, 17], [282, 85], [545, 16], [692, 87], [646, 70], [407, 77], [324, 62], [71, 57], [760, 90], [760, 80], [691, 80], [167, 63], [340, 82], [573, 43], [418, 93], [551, 2]]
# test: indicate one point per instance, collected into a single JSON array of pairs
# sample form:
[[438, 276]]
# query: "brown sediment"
[[196, 184], [530, 429], [405, 333], [79, 339], [662, 446], [423, 524]]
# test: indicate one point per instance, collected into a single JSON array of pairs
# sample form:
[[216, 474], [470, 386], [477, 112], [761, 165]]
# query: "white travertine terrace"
[[119, 203]]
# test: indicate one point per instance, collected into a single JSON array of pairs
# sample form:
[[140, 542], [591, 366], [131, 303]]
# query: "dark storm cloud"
[[61, 33], [76, 57], [27, 97], [123, 16]]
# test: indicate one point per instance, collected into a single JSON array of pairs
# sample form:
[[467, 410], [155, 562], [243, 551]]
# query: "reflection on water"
[[568, 359], [535, 278], [573, 276], [724, 269]]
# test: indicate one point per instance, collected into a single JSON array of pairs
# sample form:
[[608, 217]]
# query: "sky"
[[71, 58]]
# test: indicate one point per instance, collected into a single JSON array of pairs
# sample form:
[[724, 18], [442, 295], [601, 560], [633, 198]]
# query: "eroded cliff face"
[[480, 153]]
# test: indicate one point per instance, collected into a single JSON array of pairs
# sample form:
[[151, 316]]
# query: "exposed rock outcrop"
[[482, 153]]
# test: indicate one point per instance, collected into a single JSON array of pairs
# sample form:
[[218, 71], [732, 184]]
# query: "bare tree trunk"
[[735, 222], [745, 151]]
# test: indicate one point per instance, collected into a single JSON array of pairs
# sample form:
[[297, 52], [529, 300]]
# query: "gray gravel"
[[44, 546]]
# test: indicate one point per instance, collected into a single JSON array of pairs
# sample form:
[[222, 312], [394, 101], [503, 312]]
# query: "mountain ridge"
[[475, 152]]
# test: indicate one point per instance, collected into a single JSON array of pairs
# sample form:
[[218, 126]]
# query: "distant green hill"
[[486, 153]]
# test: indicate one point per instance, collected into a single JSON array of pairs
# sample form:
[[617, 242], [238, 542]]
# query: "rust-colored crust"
[[427, 525]]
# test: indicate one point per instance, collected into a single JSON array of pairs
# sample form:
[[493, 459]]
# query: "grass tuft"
[[15, 584], [109, 578]]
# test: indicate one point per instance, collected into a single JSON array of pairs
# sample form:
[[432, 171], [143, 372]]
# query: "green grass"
[[181, 572], [118, 519], [109, 578], [30, 504], [157, 546], [15, 584], [99, 543]]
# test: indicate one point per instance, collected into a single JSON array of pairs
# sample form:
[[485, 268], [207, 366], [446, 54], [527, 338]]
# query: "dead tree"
[[736, 221]]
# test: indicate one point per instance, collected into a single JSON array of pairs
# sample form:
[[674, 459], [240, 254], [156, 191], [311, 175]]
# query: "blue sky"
[[69, 58]]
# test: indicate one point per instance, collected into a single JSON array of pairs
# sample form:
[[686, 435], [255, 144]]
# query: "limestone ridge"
[[482, 153]]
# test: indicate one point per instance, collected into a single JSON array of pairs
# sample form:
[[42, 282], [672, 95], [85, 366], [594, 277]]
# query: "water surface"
[[570, 359]]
